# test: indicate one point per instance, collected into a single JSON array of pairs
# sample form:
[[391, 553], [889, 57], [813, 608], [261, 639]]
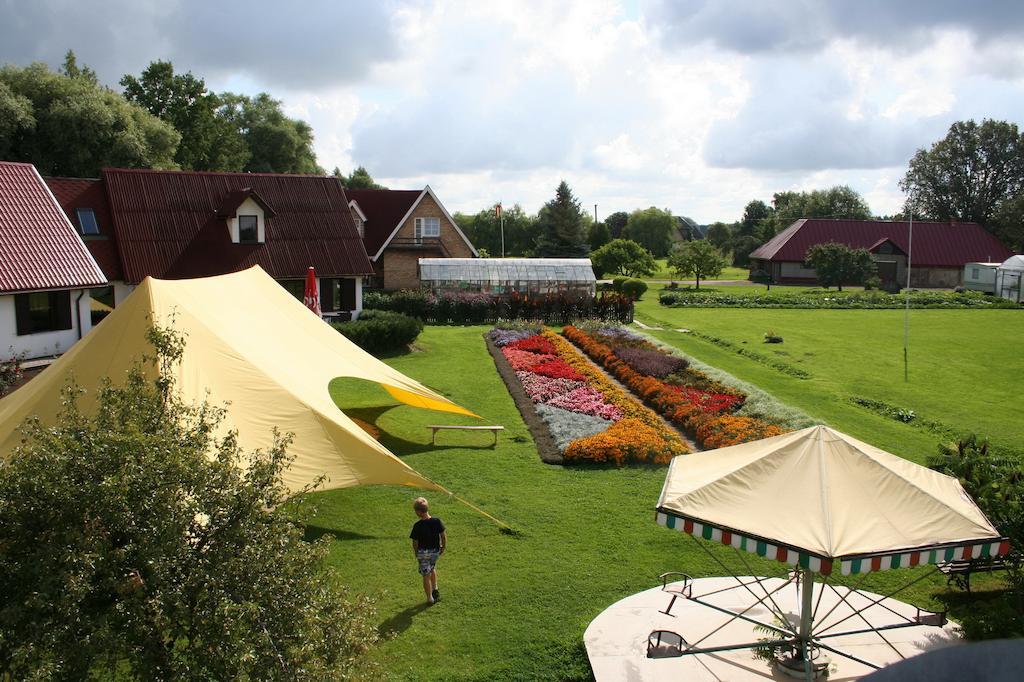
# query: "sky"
[[697, 106]]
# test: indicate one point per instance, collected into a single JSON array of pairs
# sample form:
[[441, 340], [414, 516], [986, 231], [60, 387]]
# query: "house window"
[[248, 229], [295, 287], [101, 304], [427, 227], [359, 225], [87, 224], [337, 294], [975, 273], [42, 311]]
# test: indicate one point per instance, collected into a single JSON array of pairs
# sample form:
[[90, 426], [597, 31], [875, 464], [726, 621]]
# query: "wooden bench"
[[959, 572], [434, 428]]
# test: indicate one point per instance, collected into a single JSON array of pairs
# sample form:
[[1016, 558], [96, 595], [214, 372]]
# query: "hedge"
[[381, 331], [478, 308], [831, 299]]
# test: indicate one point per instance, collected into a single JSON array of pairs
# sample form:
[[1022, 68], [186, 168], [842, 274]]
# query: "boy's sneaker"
[[435, 596]]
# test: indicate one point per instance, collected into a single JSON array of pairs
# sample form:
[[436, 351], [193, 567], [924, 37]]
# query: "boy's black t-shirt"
[[427, 533]]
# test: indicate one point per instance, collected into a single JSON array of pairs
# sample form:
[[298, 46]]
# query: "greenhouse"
[[508, 275]]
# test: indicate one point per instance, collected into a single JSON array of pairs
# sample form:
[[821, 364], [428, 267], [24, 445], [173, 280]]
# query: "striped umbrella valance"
[[849, 565]]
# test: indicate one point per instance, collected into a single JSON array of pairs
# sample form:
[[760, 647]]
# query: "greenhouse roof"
[[507, 269]]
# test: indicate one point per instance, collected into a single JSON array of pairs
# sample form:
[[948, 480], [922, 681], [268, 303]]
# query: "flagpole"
[[906, 308], [501, 219]]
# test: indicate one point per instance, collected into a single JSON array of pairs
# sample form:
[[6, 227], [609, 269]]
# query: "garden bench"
[[959, 572], [434, 428]]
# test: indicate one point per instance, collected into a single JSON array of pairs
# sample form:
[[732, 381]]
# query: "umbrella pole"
[[807, 620]]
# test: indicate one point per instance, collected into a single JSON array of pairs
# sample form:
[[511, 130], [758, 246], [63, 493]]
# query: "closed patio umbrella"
[[311, 298]]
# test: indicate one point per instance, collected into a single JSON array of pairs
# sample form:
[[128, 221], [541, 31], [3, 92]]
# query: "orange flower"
[[627, 440]]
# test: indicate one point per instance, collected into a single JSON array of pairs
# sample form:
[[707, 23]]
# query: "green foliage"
[[699, 259], [624, 257], [598, 235], [208, 141], [1007, 223], [835, 202], [561, 226], [616, 223], [140, 542], [618, 281], [634, 288], [69, 125], [837, 264], [276, 143], [756, 221], [969, 173], [381, 331], [357, 179], [748, 297], [652, 228], [11, 372], [483, 230], [720, 235]]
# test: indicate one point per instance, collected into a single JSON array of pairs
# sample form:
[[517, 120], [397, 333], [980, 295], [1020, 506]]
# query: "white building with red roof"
[[46, 271]]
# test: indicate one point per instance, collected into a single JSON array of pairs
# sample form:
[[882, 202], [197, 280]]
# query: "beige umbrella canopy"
[[821, 500], [250, 344]]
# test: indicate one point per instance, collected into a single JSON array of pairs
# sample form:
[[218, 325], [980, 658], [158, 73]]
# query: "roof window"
[[87, 225]]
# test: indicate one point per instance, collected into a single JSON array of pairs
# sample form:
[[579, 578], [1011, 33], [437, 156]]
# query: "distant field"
[[664, 272], [965, 365]]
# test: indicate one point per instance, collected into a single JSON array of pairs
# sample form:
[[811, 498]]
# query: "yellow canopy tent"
[[250, 344]]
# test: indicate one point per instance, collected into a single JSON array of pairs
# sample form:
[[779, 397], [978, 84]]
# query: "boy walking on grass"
[[428, 543]]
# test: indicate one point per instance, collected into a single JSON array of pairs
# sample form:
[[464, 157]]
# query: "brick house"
[[46, 272], [399, 227], [182, 224], [940, 250]]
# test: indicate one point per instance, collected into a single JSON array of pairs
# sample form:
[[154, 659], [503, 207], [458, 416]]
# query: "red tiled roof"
[[383, 209], [936, 245], [40, 249], [74, 193], [167, 225]]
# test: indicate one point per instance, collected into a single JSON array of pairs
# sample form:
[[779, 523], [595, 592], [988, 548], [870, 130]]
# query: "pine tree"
[[562, 233]]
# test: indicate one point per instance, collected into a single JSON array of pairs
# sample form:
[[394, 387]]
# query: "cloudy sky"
[[694, 105]]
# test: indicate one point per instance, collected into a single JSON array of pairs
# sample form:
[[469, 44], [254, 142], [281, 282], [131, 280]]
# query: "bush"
[[618, 281], [821, 299], [10, 372], [380, 331], [634, 288], [407, 301], [476, 308]]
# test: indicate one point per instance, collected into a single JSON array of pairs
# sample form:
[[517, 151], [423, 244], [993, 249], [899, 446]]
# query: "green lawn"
[[964, 365], [664, 272], [513, 606]]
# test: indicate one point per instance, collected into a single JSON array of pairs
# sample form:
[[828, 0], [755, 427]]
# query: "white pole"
[[906, 309], [501, 212]]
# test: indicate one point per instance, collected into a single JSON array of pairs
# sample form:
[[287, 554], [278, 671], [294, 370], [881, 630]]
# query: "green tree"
[[483, 229], [756, 220], [562, 233], [720, 234], [598, 235], [840, 201], [208, 141], [69, 125], [276, 143], [1008, 222], [969, 173], [616, 223], [139, 544], [651, 228], [71, 69], [623, 257], [697, 259], [838, 264], [357, 179]]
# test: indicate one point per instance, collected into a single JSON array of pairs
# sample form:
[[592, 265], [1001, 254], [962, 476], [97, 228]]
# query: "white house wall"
[[43, 344], [248, 207]]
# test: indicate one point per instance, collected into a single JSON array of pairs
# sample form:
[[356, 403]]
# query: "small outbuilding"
[[508, 275], [980, 277], [1008, 278]]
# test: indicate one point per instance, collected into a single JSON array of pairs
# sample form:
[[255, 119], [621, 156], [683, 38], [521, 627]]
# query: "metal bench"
[[434, 428], [959, 572]]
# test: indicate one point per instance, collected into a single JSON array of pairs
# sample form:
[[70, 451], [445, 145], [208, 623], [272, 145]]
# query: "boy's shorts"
[[427, 559]]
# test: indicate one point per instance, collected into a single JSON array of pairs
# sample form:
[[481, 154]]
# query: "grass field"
[[514, 607], [664, 272], [964, 365]]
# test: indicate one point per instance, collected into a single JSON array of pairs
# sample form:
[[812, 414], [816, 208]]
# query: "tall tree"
[[562, 233], [598, 235], [651, 228], [720, 234], [623, 257], [616, 223], [208, 141], [840, 201], [755, 221], [357, 179], [969, 173], [70, 125], [483, 229], [71, 69], [697, 259], [277, 144]]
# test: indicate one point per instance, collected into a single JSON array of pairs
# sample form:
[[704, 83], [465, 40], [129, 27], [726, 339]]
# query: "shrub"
[[412, 302], [380, 331], [772, 337], [634, 288], [10, 372], [618, 281], [651, 363]]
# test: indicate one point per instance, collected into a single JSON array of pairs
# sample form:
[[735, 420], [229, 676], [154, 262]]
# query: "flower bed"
[[589, 417], [684, 396]]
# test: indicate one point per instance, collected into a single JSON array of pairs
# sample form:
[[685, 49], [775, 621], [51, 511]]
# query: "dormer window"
[[87, 225], [248, 229]]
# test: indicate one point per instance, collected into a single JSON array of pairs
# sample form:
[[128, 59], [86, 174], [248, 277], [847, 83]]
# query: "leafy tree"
[[140, 544], [969, 173], [756, 220], [598, 235], [651, 228], [697, 259], [742, 247], [835, 202], [561, 222], [623, 257], [277, 144], [71, 69], [69, 125], [1008, 222], [483, 229], [616, 223], [208, 141], [719, 234], [838, 264], [357, 179]]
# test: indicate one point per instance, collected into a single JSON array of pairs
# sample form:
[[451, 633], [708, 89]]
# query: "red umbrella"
[[310, 297]]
